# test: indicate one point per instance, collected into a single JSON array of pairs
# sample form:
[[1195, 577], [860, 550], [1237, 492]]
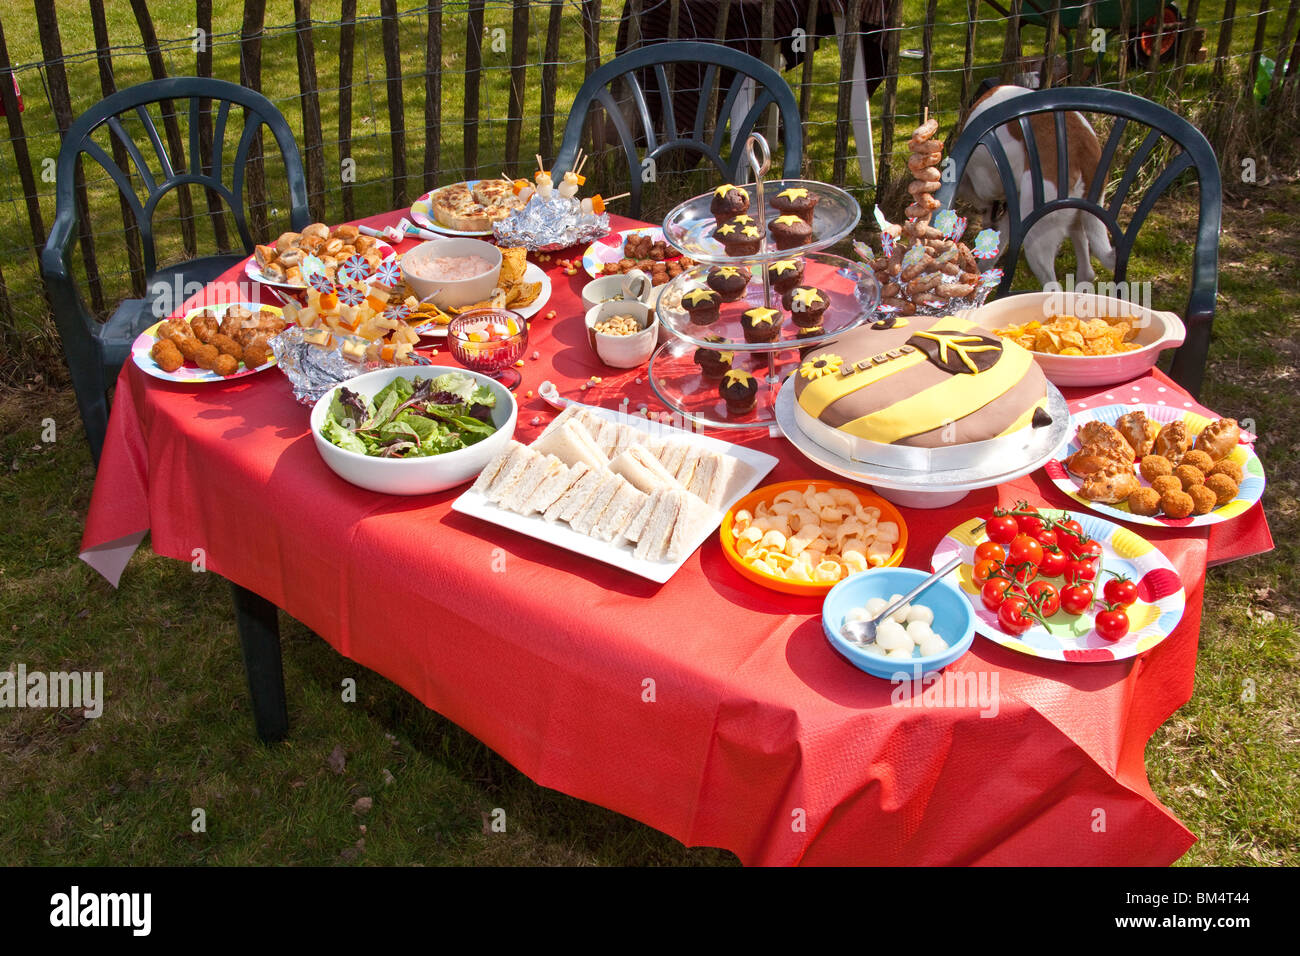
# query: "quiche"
[[456, 208]]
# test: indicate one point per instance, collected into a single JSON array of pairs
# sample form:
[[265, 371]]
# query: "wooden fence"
[[372, 61]]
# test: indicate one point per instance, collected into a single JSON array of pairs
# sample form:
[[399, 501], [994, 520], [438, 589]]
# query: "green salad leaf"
[[412, 418]]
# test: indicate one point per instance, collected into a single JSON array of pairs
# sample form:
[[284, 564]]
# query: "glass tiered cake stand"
[[850, 286]]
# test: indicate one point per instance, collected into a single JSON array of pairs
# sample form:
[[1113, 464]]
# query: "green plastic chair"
[[96, 351], [771, 88]]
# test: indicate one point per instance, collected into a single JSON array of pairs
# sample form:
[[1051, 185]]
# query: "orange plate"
[[887, 513]]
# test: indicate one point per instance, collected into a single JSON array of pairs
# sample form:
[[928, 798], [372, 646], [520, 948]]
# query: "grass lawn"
[[177, 733]]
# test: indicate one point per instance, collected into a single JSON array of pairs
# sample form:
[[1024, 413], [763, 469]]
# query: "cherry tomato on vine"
[[1121, 591], [1076, 599], [1045, 598], [990, 549], [1053, 563], [1011, 616], [1022, 573], [1024, 550], [1088, 550], [985, 570], [994, 592], [1001, 529], [1046, 537], [1066, 532], [1080, 572], [1030, 524], [1112, 623]]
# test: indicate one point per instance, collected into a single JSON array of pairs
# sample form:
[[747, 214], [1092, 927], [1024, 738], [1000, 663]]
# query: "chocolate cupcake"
[[739, 239], [739, 390], [806, 305], [761, 324], [713, 363], [730, 282], [790, 231], [728, 201], [807, 334], [785, 274], [795, 201], [702, 305]]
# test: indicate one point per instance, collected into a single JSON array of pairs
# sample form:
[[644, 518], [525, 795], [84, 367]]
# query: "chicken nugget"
[[1189, 475], [225, 365], [1144, 501], [1225, 467], [167, 355], [1224, 488], [1165, 484], [227, 346], [257, 354], [1203, 499], [1153, 466], [205, 356], [189, 348], [1176, 504]]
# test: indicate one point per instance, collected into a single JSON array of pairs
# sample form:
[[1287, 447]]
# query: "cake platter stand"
[[930, 489], [851, 287]]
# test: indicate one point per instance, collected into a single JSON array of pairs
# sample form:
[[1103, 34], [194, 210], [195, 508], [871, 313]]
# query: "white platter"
[[752, 466]]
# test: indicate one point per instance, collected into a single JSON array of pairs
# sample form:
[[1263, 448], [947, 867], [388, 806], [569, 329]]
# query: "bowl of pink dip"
[[452, 272]]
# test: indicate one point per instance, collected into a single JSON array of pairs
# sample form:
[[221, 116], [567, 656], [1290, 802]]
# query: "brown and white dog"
[[981, 186]]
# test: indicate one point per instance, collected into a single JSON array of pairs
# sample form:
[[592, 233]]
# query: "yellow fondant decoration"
[[761, 316], [805, 298], [721, 191], [749, 232], [785, 265], [727, 272], [934, 407], [821, 394], [744, 219], [962, 345], [794, 192], [695, 296], [737, 376], [786, 220], [822, 365], [725, 230]]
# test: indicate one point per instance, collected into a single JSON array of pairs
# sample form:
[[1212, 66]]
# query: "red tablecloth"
[[757, 736]]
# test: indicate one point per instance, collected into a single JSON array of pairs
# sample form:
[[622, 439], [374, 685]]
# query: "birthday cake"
[[922, 383]]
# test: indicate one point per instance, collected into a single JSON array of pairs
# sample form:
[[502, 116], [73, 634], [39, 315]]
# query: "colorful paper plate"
[[188, 372], [422, 213], [887, 513], [1157, 612], [254, 271], [1248, 492], [610, 249]]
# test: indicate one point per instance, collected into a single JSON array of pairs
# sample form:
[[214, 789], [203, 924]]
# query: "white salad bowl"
[[452, 293], [414, 476]]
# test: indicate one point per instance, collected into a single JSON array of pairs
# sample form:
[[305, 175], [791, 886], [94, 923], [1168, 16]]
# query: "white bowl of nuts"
[[622, 334]]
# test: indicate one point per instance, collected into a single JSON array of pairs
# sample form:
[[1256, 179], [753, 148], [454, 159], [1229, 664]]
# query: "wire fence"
[[388, 101]]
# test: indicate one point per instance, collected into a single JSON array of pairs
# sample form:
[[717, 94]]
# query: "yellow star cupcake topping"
[[726, 230], [737, 376], [749, 232], [762, 316], [805, 299], [699, 295], [722, 190], [794, 192], [726, 272], [787, 221], [785, 265]]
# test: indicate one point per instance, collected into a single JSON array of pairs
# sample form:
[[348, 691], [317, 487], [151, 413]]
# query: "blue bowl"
[[954, 619]]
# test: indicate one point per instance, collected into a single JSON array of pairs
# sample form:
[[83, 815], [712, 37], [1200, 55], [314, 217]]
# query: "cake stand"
[[931, 489], [851, 287]]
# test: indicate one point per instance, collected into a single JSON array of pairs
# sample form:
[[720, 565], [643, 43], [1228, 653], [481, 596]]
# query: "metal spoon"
[[863, 633]]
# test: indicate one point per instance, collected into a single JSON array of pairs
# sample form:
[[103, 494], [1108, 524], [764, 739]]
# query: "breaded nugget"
[[1176, 504], [225, 365], [205, 356], [1144, 501], [1165, 484], [227, 346], [1189, 475], [1203, 499], [1198, 459], [167, 355], [1153, 466], [189, 348], [257, 355], [1225, 467], [205, 326], [1224, 488]]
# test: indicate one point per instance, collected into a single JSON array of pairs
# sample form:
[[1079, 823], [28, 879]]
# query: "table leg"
[[258, 622]]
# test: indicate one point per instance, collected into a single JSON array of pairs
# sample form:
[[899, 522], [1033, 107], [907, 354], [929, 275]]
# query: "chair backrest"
[[194, 95], [1194, 153], [665, 137]]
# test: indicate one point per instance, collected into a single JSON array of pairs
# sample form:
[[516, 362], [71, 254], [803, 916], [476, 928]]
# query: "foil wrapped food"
[[313, 370], [550, 225]]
